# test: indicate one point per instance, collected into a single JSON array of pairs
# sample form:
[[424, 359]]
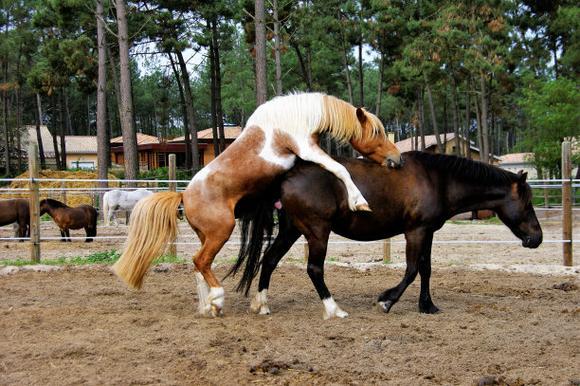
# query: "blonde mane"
[[313, 113], [341, 122]]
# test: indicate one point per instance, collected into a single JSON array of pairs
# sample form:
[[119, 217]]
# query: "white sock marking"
[[332, 310]]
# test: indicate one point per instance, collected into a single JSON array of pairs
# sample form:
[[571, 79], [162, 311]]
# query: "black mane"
[[54, 203], [468, 170]]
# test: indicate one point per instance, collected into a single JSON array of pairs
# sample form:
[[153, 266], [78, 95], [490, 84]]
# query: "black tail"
[[257, 226]]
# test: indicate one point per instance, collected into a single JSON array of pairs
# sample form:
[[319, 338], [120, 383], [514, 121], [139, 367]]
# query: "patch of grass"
[[106, 258], [488, 221]]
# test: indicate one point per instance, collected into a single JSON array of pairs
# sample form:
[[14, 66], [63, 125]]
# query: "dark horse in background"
[[16, 211], [415, 200], [83, 216]]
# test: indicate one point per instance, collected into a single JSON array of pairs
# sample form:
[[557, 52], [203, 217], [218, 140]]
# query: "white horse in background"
[[121, 199]]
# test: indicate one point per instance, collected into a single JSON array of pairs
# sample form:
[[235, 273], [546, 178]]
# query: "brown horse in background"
[[84, 216], [16, 211], [276, 134]]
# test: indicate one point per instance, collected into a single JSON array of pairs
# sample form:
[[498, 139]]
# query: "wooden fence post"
[[567, 203], [305, 251], [387, 251], [172, 188], [34, 202], [172, 173]]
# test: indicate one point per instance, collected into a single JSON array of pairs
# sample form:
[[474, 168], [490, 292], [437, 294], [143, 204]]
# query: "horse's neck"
[[467, 196]]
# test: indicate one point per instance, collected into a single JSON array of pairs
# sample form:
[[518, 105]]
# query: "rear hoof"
[[216, 312], [385, 306], [363, 208]]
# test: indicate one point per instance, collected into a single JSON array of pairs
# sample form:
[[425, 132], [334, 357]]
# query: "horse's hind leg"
[[426, 305], [214, 300], [317, 245], [214, 225], [287, 236]]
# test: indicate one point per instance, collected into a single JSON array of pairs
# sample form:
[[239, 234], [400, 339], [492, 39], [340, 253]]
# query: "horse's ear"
[[523, 176], [360, 114]]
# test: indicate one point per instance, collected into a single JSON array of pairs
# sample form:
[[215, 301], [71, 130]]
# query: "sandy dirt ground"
[[82, 326], [502, 322]]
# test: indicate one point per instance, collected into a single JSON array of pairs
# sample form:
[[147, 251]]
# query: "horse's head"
[[44, 206], [516, 211], [373, 143]]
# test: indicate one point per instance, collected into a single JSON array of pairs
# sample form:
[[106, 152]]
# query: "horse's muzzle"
[[532, 241]]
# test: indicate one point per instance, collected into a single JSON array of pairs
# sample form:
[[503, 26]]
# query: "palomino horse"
[[16, 211], [415, 200], [276, 133], [84, 216], [120, 199]]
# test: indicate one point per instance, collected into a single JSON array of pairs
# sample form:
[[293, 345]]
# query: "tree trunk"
[[38, 133], [103, 142], [346, 67], [130, 150], [421, 117], [467, 123], [115, 76], [190, 114], [5, 123], [380, 85], [479, 131], [18, 128], [360, 72], [455, 112], [484, 125], [213, 100], [62, 123], [54, 132], [261, 76], [277, 54], [186, 132], [305, 74], [434, 119], [218, 85]]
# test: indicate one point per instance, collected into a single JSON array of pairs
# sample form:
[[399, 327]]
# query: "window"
[[83, 165]]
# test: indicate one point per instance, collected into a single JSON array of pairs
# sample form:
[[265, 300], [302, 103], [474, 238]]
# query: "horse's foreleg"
[[67, 232], [287, 236], [417, 241], [313, 153], [62, 236]]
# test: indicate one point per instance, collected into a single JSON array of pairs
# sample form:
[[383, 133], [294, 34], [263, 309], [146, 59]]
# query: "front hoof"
[[386, 305], [429, 309]]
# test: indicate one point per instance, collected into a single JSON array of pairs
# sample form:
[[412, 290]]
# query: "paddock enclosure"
[[510, 315]]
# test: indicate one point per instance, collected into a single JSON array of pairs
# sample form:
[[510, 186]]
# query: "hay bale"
[[73, 198]]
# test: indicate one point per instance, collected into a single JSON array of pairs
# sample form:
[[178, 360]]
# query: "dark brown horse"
[[415, 200], [84, 216], [16, 211]]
